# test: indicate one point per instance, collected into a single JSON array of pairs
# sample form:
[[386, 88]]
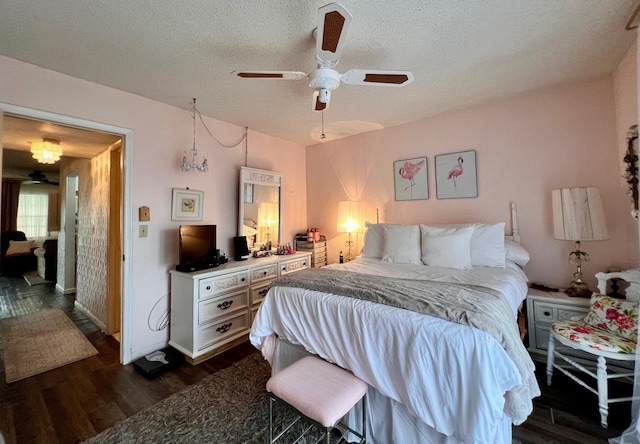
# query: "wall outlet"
[[143, 231]]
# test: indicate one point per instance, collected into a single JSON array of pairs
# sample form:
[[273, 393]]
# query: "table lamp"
[[349, 221], [578, 216]]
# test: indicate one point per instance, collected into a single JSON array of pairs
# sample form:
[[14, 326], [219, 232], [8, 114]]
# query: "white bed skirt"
[[388, 421]]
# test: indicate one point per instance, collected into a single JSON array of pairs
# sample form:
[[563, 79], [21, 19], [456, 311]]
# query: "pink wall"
[[161, 133], [526, 146]]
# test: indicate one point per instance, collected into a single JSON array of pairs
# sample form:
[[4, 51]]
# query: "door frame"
[[127, 199]]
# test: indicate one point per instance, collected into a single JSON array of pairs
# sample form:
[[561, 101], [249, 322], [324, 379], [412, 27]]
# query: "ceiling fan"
[[333, 24], [39, 177]]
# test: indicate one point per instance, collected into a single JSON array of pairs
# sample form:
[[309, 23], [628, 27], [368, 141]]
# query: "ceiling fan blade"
[[377, 77], [333, 24], [317, 104], [286, 75]]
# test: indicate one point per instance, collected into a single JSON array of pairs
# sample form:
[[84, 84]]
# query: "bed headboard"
[[515, 229]]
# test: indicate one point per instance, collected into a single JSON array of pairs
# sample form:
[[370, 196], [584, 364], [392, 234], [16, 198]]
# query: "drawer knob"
[[224, 328], [264, 273], [546, 313], [208, 287], [225, 305], [263, 292], [243, 279]]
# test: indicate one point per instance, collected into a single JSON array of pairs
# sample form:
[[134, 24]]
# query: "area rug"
[[33, 278], [37, 342], [230, 406]]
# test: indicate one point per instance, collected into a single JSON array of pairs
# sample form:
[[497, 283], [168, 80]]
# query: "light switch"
[[143, 230], [144, 214]]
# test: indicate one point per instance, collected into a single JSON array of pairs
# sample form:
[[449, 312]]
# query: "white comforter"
[[452, 377]]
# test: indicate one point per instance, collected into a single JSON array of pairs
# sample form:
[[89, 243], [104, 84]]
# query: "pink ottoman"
[[320, 392]]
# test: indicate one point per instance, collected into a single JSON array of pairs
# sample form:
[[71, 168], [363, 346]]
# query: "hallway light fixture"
[[48, 151], [186, 166]]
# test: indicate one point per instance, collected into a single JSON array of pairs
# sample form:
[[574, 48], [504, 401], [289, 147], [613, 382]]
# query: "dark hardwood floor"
[[77, 401], [72, 403]]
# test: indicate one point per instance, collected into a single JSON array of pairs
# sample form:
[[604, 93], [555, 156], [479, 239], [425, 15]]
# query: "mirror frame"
[[255, 176]]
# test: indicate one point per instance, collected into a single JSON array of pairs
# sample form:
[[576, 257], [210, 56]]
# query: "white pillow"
[[487, 245], [515, 252], [401, 244], [448, 247], [372, 240], [19, 247]]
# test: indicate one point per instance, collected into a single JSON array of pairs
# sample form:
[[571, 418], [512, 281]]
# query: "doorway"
[[120, 195]]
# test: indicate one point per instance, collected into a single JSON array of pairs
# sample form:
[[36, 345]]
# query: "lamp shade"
[[349, 219], [268, 214], [578, 214]]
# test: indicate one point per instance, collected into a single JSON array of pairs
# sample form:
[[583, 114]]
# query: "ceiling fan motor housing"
[[324, 80]]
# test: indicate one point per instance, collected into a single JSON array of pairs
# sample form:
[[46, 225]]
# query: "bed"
[[440, 374]]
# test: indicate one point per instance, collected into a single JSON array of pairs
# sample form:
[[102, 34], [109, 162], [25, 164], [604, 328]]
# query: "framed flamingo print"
[[410, 179], [456, 175]]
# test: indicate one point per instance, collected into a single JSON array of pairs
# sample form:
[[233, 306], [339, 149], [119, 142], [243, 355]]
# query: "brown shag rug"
[[230, 406], [37, 342]]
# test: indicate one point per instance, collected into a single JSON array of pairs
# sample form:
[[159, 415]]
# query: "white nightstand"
[[545, 308]]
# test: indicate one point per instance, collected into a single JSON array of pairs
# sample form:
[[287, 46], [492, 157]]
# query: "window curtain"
[[632, 434], [32, 215], [10, 197]]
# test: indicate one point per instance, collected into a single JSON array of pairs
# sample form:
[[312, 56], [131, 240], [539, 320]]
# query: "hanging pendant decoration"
[[631, 170], [186, 166]]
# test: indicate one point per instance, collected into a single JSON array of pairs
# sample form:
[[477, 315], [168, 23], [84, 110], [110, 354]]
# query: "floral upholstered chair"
[[608, 331]]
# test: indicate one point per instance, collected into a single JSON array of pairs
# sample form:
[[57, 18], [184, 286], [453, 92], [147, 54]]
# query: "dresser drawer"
[[260, 274], [314, 247], [216, 332], [258, 293], [295, 265], [321, 257], [220, 284], [211, 309], [550, 313]]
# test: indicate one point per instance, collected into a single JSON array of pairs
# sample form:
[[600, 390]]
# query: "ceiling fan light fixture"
[[47, 152], [330, 35]]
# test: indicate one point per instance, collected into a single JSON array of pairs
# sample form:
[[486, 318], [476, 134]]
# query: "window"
[[33, 212]]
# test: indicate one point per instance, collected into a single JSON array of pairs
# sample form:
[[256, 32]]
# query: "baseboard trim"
[[95, 320]]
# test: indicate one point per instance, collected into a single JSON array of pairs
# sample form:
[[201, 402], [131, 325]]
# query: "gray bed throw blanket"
[[479, 307]]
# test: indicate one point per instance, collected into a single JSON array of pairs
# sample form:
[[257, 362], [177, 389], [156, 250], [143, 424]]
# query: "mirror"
[[259, 209]]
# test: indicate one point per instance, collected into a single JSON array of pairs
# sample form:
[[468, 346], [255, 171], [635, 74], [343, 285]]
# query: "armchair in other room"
[[16, 253], [48, 259]]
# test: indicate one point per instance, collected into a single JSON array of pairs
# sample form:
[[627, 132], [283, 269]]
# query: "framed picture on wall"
[[456, 175], [186, 204], [410, 179]]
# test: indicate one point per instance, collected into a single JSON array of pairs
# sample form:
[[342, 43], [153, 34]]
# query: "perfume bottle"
[[341, 257]]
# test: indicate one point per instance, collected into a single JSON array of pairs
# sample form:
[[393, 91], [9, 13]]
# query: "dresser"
[[318, 250], [212, 310]]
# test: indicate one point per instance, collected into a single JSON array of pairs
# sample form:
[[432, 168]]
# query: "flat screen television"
[[197, 247]]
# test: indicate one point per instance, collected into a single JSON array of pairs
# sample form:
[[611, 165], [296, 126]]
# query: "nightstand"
[[545, 308]]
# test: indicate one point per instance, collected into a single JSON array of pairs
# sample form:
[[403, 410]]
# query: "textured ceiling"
[[461, 52]]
